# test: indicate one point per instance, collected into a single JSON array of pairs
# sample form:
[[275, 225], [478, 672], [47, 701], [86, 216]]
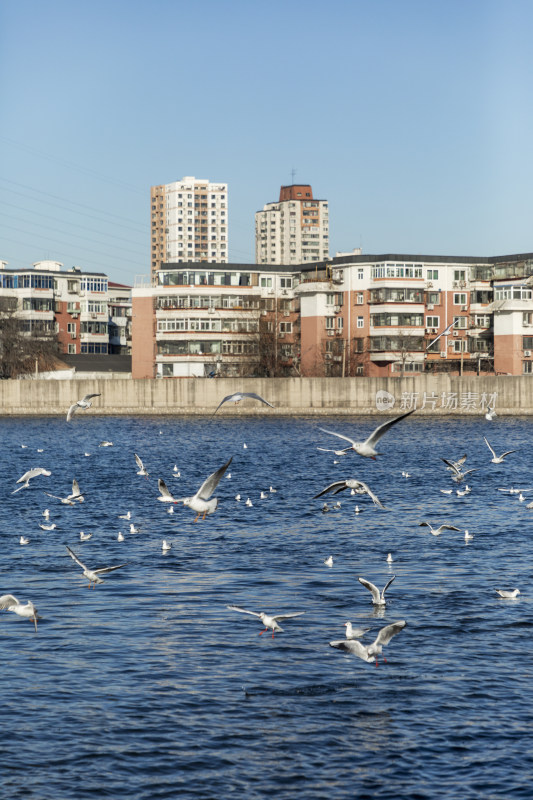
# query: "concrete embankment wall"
[[439, 394]]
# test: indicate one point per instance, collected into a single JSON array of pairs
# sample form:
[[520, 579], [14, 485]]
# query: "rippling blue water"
[[149, 687]]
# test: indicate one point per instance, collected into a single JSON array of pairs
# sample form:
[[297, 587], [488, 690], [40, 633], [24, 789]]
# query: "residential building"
[[293, 231], [189, 222]]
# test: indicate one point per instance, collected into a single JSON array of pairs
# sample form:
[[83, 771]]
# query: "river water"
[[149, 687]]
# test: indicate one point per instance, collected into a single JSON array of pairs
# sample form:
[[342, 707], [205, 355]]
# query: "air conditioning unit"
[[527, 353], [431, 306], [429, 285], [281, 335], [338, 333], [327, 356], [263, 313], [94, 316], [434, 330], [337, 309], [462, 284], [443, 353], [337, 276], [456, 333], [75, 314], [464, 308], [337, 358], [331, 333], [286, 313], [284, 291], [73, 334], [210, 310]]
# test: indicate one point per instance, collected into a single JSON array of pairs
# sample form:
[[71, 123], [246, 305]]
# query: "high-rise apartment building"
[[294, 230], [189, 222]]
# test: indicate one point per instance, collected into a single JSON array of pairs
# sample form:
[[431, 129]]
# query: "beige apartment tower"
[[189, 222], [295, 230]]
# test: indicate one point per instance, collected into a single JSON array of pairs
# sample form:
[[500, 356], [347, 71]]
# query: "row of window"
[[178, 348], [208, 324], [208, 301]]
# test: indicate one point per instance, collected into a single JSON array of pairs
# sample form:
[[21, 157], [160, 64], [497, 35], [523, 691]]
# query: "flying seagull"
[[370, 652], [267, 620], [84, 404], [28, 610], [458, 475], [31, 473], [74, 495], [200, 502], [367, 448], [438, 531], [164, 496], [445, 332], [490, 414], [93, 575], [497, 459], [238, 396], [358, 486], [378, 598], [142, 470]]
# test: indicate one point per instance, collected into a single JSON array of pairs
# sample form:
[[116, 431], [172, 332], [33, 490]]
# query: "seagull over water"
[[84, 404], [31, 473], [267, 620], [201, 502], [497, 459], [490, 414], [378, 598], [354, 633], [438, 531], [367, 448], [10, 603], [236, 397], [371, 651], [93, 575], [358, 486], [142, 471], [74, 495]]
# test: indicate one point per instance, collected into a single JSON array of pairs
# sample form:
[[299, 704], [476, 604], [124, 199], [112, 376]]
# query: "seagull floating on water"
[[329, 561], [371, 651], [378, 598], [84, 537], [93, 575], [165, 547], [497, 459], [10, 603], [508, 595], [236, 397], [354, 633], [120, 537], [389, 558], [468, 536], [50, 527], [127, 515], [267, 620], [105, 444], [84, 404], [24, 540], [358, 486], [367, 448], [31, 473], [133, 529]]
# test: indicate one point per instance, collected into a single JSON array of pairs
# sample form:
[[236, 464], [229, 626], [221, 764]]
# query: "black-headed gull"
[[370, 652], [438, 531], [508, 595], [84, 404], [31, 473], [164, 494], [367, 448], [497, 459], [378, 598], [52, 526], [74, 495], [358, 486], [329, 561], [142, 471], [354, 633], [10, 603], [236, 397], [201, 502], [455, 467], [269, 621], [490, 414], [93, 575], [165, 547], [24, 540]]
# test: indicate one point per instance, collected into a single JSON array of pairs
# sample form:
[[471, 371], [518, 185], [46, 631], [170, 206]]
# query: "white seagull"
[[50, 527], [468, 536], [370, 652], [490, 414], [74, 495], [201, 502], [120, 537], [133, 529], [46, 513], [93, 575], [165, 496], [389, 558], [357, 486], [445, 332], [31, 473], [84, 404], [367, 448], [329, 561], [127, 515], [497, 459], [337, 452], [236, 397], [378, 598], [105, 444], [142, 471], [508, 595], [28, 610], [354, 633], [165, 547], [84, 537], [24, 540], [267, 620], [438, 531]]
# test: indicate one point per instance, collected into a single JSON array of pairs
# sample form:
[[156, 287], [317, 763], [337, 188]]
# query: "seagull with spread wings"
[[497, 459], [10, 603], [269, 621], [357, 486], [84, 404], [31, 473], [370, 652], [236, 397], [202, 502], [367, 448], [378, 598], [74, 495], [93, 575]]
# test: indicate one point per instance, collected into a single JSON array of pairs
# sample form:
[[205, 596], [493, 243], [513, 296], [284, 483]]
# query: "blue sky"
[[412, 118]]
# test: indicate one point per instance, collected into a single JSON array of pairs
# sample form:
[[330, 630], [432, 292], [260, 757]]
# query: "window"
[[359, 370], [527, 318], [460, 323], [71, 327], [459, 275], [360, 273], [459, 299], [330, 323], [285, 283], [527, 367], [340, 323], [434, 298], [359, 298], [432, 274], [360, 322], [266, 283], [432, 322], [72, 349], [285, 327], [408, 366], [459, 346]]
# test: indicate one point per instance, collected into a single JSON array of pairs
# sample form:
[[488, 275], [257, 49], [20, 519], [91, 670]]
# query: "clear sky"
[[413, 118]]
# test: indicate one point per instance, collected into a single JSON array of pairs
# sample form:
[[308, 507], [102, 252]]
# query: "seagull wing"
[[387, 586], [448, 528], [451, 465], [444, 332], [351, 646], [225, 400], [338, 486], [54, 496], [340, 435], [72, 410], [75, 489], [257, 397], [243, 611], [490, 448], [371, 588], [385, 634], [24, 486], [8, 601], [371, 494], [382, 429], [507, 453], [161, 485], [103, 570], [281, 617], [89, 397], [138, 461], [75, 557], [210, 484]]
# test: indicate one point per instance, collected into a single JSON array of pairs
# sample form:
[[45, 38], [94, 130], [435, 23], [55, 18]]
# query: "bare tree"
[[25, 345]]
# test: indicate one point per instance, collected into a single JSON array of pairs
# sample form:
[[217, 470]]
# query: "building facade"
[[293, 231], [189, 222]]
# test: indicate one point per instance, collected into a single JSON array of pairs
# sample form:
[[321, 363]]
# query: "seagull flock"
[[204, 504]]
